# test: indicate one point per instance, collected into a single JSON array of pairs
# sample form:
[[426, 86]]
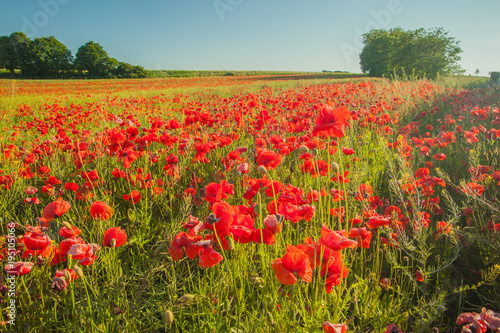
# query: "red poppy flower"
[[30, 190], [57, 257], [90, 176], [209, 257], [364, 192], [294, 261], [392, 328], [443, 227], [348, 151], [119, 236], [55, 209], [67, 243], [222, 217], [473, 189], [134, 197], [439, 157], [272, 224], [385, 283], [331, 122], [269, 159], [101, 211], [19, 268], [68, 233], [333, 328], [36, 241], [81, 251], [362, 235], [264, 235], [71, 187], [274, 188], [422, 172], [335, 240], [215, 192], [243, 168], [34, 200], [185, 242]]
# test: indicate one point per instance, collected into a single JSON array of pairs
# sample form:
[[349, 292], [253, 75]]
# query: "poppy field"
[[250, 204]]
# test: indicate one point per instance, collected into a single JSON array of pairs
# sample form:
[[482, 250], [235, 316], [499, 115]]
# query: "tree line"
[[46, 57], [420, 52]]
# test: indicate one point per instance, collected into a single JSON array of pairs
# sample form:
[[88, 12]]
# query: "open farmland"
[[249, 204]]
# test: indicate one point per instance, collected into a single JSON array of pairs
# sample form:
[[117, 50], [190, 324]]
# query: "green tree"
[[125, 70], [47, 57], [4, 51], [93, 58], [374, 59], [422, 52], [13, 50]]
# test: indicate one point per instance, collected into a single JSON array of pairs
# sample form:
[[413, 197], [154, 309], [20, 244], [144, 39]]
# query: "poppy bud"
[[67, 225], [315, 152], [335, 167], [168, 317], [256, 210], [187, 298], [304, 149], [262, 170], [78, 271], [67, 275], [230, 243]]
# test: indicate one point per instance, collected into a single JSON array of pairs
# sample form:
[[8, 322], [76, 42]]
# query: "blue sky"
[[295, 35]]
